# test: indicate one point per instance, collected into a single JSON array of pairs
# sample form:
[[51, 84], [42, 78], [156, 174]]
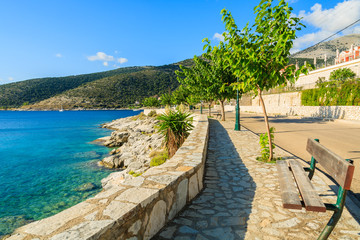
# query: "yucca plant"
[[175, 126]]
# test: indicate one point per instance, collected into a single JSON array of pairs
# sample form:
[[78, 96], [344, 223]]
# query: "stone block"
[[156, 219], [134, 229], [193, 187], [108, 192], [135, 182], [49, 225], [85, 230], [200, 175], [144, 196], [163, 179], [116, 210], [181, 196]]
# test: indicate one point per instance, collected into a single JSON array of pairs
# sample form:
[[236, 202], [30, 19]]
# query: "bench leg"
[[338, 209], [330, 225]]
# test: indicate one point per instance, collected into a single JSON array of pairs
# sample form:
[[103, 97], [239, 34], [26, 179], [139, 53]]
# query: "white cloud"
[[11, 79], [101, 56], [328, 21], [58, 55], [218, 37], [122, 60]]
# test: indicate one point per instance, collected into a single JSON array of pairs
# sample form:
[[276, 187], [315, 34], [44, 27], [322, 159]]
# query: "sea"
[[48, 162]]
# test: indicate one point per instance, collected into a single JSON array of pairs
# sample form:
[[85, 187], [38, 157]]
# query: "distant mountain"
[[34, 90], [110, 89], [118, 91], [328, 48]]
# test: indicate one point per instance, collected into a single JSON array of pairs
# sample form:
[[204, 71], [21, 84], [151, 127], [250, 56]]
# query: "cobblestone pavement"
[[241, 198]]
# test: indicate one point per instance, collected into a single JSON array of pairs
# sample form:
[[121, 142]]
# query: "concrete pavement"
[[291, 134], [241, 197]]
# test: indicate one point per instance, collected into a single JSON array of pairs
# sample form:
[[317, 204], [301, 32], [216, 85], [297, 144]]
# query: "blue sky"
[[49, 38]]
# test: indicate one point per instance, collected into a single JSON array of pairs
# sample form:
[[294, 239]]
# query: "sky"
[[52, 38]]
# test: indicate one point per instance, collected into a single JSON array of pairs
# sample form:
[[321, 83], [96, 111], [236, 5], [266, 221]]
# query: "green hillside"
[[116, 91], [34, 90]]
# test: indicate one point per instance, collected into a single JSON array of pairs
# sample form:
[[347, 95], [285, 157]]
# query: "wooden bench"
[[297, 192], [217, 114]]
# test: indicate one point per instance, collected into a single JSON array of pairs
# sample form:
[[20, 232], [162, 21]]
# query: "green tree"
[[151, 102], [342, 74], [259, 55], [179, 95], [221, 76], [209, 78], [166, 99], [194, 79]]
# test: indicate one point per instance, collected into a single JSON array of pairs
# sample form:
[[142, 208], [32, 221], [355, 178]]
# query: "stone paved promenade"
[[241, 198]]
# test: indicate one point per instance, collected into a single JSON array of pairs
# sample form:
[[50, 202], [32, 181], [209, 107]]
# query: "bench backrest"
[[341, 170]]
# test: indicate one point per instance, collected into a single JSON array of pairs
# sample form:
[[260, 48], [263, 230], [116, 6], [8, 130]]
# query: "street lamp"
[[237, 112]]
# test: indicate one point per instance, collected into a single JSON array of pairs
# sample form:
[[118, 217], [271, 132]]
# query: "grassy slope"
[[34, 90], [116, 91]]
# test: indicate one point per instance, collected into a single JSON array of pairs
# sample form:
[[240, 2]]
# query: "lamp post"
[[201, 106], [237, 112]]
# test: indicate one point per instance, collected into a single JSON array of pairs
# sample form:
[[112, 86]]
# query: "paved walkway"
[[241, 198]]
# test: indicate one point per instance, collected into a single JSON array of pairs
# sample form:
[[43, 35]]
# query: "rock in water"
[[117, 139], [86, 187]]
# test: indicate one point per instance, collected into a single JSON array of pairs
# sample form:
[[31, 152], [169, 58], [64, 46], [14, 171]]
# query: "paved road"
[[342, 137]]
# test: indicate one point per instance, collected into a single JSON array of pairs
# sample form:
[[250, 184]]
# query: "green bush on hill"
[[333, 93]]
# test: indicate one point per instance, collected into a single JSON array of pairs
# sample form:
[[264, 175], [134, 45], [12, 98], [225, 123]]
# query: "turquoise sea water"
[[45, 158]]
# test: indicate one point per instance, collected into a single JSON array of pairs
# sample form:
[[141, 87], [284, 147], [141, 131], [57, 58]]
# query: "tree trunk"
[[222, 110], [210, 109], [266, 124]]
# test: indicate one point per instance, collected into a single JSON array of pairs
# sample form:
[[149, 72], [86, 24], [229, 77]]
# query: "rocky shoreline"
[[133, 140]]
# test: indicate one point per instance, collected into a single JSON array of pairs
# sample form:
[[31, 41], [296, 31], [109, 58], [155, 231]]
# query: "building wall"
[[309, 81]]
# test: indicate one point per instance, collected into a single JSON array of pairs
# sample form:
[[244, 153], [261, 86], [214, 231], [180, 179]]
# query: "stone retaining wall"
[[333, 112], [281, 99], [136, 208]]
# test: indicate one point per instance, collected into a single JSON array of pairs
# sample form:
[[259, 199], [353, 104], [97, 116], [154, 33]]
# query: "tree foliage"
[[209, 78], [259, 55], [151, 102], [342, 74], [333, 93]]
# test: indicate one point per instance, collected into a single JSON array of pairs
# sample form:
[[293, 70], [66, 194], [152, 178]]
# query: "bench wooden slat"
[[289, 193], [311, 199], [341, 170]]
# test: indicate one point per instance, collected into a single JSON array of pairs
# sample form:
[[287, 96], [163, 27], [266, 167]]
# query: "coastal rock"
[[117, 139], [86, 187], [136, 138], [114, 161]]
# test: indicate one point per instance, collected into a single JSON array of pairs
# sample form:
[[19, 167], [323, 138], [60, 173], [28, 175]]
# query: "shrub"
[[159, 158], [134, 174], [152, 113], [175, 127], [264, 143], [342, 74], [333, 93], [141, 116]]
